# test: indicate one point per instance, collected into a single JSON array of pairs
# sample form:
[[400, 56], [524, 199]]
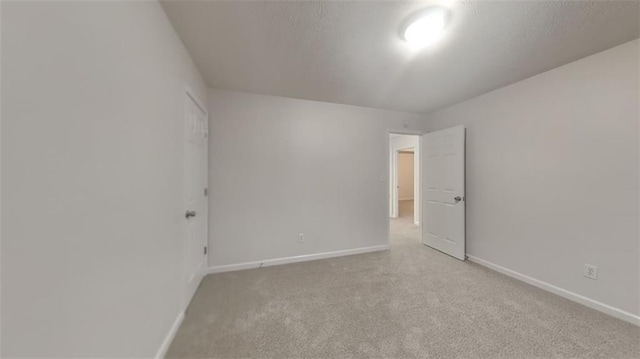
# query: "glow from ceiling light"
[[426, 29]]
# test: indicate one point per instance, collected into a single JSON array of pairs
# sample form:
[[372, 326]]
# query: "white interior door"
[[195, 196], [443, 214]]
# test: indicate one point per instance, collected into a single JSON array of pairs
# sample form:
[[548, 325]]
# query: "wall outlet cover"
[[591, 271]]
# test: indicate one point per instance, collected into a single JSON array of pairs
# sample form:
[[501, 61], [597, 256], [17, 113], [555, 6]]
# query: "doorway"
[[434, 213], [404, 199], [405, 172]]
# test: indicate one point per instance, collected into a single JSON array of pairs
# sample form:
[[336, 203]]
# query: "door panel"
[[195, 180], [444, 215]]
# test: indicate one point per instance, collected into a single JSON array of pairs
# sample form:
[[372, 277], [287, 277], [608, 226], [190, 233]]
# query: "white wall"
[[281, 166], [405, 176], [552, 175], [92, 96]]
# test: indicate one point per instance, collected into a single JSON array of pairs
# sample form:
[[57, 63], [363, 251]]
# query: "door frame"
[[394, 205], [417, 195], [190, 95]]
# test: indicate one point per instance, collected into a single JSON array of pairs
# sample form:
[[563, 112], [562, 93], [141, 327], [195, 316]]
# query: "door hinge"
[[206, 191], [205, 250]]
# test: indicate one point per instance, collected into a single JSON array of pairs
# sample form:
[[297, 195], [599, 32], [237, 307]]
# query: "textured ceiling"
[[351, 52]]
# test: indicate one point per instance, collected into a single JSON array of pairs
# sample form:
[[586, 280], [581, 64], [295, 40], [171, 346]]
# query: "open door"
[[443, 212]]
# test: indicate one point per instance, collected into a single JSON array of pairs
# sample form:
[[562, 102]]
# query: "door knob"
[[458, 199], [190, 214]]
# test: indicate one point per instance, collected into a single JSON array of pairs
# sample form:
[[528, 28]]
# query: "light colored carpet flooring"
[[409, 302]]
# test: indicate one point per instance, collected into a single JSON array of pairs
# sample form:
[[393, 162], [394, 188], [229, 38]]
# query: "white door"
[[195, 195], [443, 214]]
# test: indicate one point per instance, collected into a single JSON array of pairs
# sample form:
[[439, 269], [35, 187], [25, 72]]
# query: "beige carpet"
[[409, 302]]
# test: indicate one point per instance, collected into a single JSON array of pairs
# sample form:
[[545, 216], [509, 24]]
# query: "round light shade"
[[426, 28]]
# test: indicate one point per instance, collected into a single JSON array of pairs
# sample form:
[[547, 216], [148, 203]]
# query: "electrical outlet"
[[590, 271], [300, 237]]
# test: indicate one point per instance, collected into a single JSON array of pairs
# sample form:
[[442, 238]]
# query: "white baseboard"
[[169, 338], [593, 304], [295, 259]]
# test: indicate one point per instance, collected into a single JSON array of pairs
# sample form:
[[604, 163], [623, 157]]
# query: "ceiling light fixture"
[[425, 27]]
